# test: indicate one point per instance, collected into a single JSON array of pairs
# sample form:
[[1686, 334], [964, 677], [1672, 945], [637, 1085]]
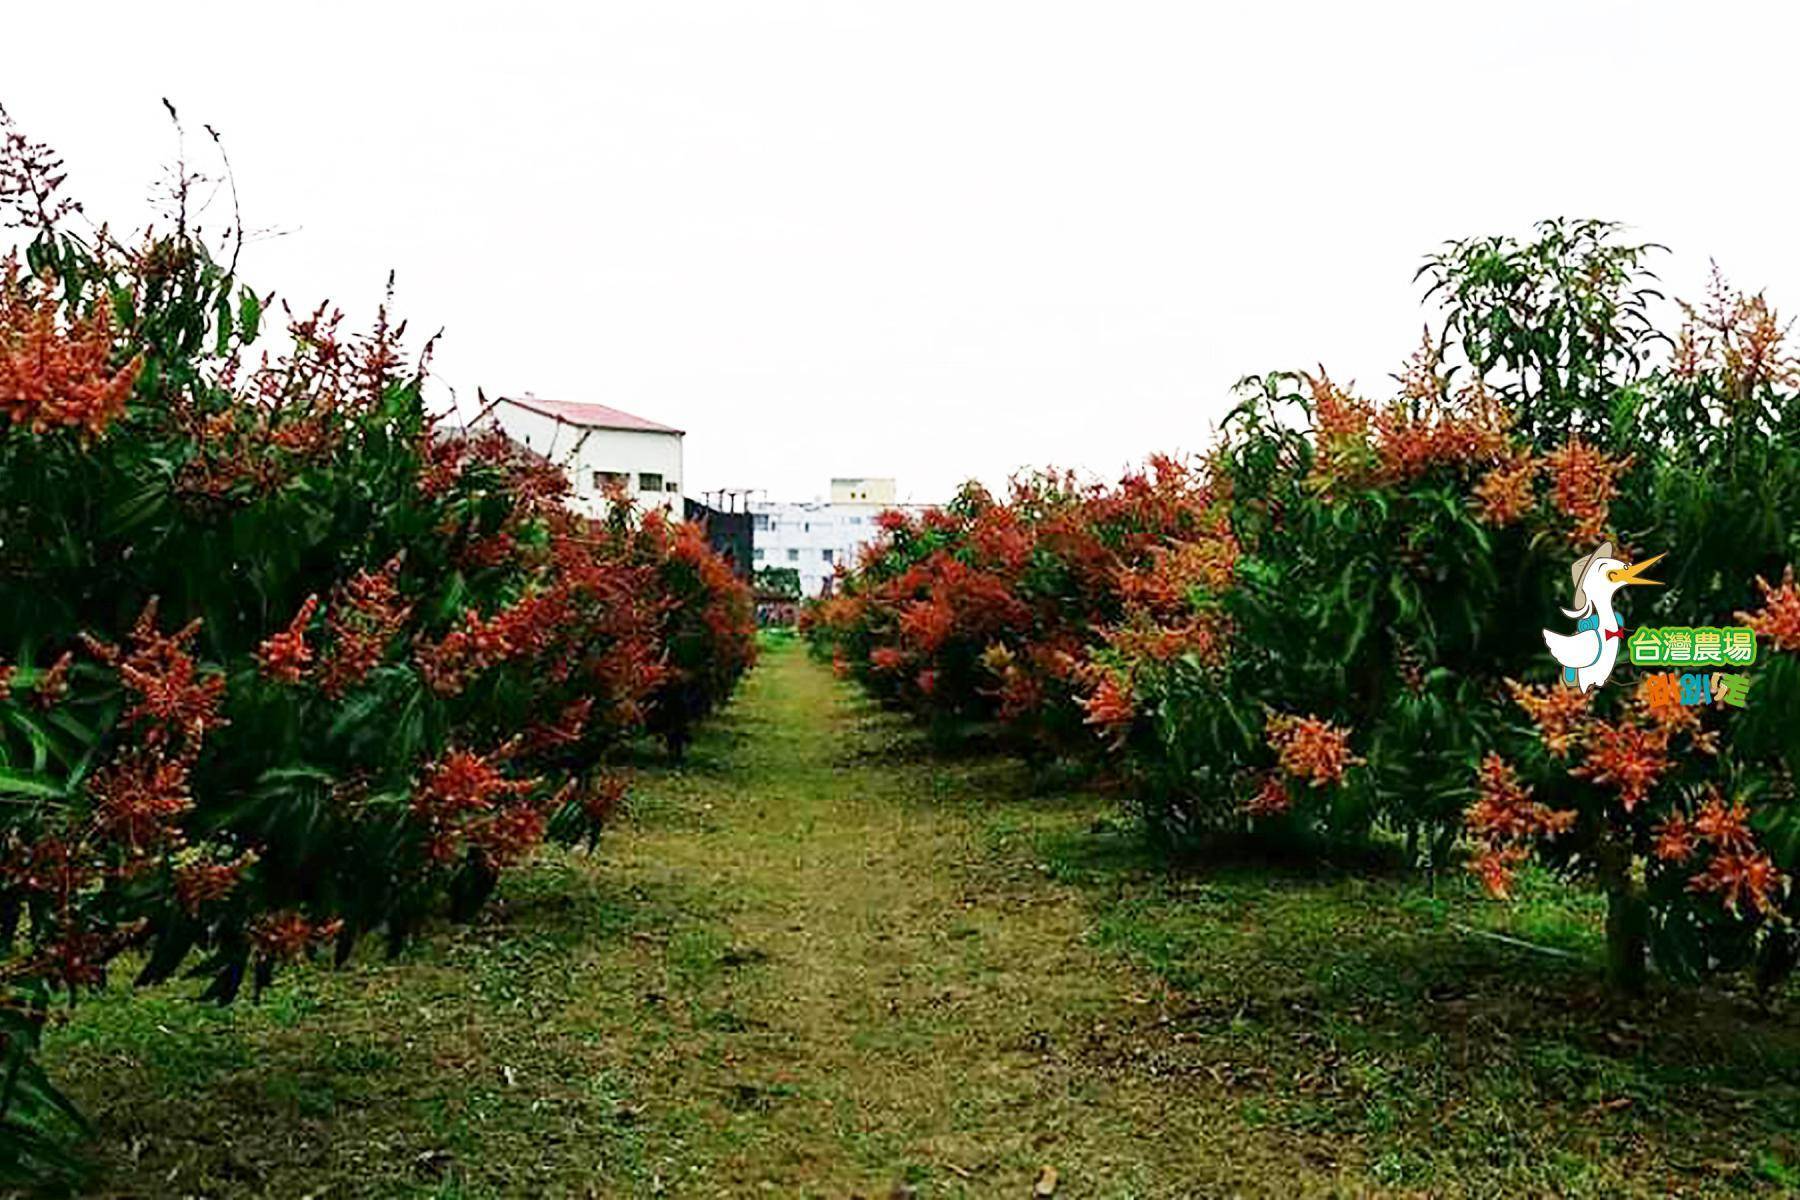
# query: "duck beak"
[[1632, 573]]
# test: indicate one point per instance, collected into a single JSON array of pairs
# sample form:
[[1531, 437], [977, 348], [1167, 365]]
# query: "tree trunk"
[[1627, 932]]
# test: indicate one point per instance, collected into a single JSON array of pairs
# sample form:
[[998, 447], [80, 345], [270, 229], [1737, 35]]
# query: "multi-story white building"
[[598, 446], [814, 536]]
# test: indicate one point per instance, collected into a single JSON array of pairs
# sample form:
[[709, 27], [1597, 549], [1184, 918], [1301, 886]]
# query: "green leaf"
[[249, 315], [28, 783], [222, 309], [43, 745], [285, 776]]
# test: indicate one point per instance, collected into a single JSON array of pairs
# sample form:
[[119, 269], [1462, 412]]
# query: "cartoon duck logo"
[[1589, 653]]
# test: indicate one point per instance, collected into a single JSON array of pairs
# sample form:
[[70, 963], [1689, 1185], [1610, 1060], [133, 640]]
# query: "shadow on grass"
[[1430, 1037], [1447, 1038], [884, 738], [712, 753], [401, 1077]]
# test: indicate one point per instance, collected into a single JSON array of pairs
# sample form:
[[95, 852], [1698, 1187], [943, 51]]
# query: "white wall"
[[813, 536], [582, 452], [810, 537]]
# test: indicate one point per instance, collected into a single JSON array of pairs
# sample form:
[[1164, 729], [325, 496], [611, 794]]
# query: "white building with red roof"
[[599, 447]]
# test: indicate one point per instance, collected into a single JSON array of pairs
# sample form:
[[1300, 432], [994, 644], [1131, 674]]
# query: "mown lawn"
[[818, 960], [1395, 1022]]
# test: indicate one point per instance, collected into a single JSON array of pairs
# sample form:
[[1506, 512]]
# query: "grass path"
[[816, 961], [915, 992]]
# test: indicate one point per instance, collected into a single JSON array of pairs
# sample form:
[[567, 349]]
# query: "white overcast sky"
[[928, 240]]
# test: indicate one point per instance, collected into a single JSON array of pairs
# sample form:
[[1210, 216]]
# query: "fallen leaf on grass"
[[1046, 1183]]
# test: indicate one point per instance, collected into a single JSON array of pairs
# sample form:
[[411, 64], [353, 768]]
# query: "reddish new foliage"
[[137, 800], [56, 373], [463, 798], [1738, 870], [1505, 818], [286, 936], [1658, 702], [1140, 639], [1310, 749], [1509, 491], [1779, 617], [53, 684], [1736, 877], [1726, 827], [887, 658], [1559, 713], [1674, 839], [565, 730], [595, 613], [1627, 756], [1004, 609], [1271, 799], [1109, 705], [198, 884], [175, 698], [1583, 483], [363, 618], [603, 795], [285, 656], [1357, 444]]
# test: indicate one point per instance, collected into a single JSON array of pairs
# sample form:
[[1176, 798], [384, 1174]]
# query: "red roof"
[[590, 416]]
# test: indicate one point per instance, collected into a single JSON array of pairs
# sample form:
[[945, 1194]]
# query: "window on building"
[[609, 479], [793, 555], [760, 521], [825, 554], [856, 520], [650, 481], [671, 486], [756, 554], [806, 527]]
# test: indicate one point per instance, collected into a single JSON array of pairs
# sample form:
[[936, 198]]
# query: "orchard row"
[[1328, 628], [283, 662]]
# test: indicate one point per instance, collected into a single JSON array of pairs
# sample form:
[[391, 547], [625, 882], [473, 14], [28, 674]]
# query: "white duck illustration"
[[1589, 653]]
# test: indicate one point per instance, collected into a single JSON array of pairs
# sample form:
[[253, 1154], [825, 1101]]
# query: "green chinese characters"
[[1680, 645]]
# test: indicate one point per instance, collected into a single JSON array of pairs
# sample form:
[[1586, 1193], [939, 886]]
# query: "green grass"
[[818, 960], [775, 637], [1369, 1012]]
